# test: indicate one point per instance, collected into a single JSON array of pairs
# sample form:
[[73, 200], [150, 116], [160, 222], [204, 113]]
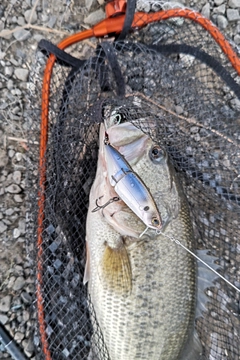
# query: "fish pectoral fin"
[[116, 269], [87, 267]]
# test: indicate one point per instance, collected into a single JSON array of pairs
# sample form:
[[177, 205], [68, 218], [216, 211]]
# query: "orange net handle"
[[105, 27]]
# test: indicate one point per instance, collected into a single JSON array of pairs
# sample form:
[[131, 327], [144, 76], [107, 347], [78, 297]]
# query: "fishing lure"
[[130, 188]]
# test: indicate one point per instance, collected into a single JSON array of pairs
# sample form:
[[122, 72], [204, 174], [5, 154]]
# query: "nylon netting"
[[197, 116]]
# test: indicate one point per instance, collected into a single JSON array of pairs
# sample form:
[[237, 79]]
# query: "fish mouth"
[[124, 134], [130, 141]]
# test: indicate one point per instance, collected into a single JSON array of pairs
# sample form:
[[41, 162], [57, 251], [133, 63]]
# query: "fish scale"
[[154, 317]]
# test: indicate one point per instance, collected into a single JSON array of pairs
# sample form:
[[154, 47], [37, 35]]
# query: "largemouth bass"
[[143, 290]]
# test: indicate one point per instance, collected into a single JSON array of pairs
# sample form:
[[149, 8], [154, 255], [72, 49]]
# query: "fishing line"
[[199, 259]]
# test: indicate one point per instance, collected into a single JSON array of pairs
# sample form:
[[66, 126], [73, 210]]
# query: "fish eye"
[[156, 153], [155, 221]]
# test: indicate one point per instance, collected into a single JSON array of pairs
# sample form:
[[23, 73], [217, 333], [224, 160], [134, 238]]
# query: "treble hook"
[[99, 207]]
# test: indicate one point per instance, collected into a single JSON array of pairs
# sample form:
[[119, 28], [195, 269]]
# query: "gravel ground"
[[16, 54]]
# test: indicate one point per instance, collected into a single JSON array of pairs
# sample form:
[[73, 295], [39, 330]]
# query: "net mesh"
[[196, 108]]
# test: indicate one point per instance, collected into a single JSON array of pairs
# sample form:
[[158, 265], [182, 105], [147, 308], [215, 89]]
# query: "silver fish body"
[[143, 290]]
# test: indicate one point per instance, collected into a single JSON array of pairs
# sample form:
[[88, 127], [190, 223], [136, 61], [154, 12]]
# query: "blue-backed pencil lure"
[[130, 188]]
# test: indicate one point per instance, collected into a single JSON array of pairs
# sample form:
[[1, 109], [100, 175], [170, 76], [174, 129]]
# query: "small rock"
[[25, 315], [9, 212], [95, 17], [18, 259], [52, 21], [33, 15], [8, 70], [3, 319], [237, 39], [3, 158], [3, 227], [17, 177], [179, 109], [235, 103], [27, 299], [16, 233], [28, 345], [18, 156], [22, 226], [18, 336], [222, 22], [19, 283], [220, 9], [11, 282], [21, 21], [5, 303], [218, 2], [232, 15], [21, 74], [234, 3], [11, 153], [10, 84], [206, 10], [22, 34], [13, 189], [89, 3], [18, 198]]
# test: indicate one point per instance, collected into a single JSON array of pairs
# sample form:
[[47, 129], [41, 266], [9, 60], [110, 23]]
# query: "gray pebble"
[[3, 319], [95, 17], [21, 21], [22, 34], [234, 3], [179, 109], [27, 299], [235, 103], [89, 3], [16, 233], [218, 2], [220, 9], [27, 15], [5, 303], [3, 227], [19, 283], [18, 198], [237, 39], [206, 10], [222, 22], [18, 336], [18, 156], [232, 15], [3, 158], [25, 315], [17, 177], [8, 70], [10, 84], [21, 74], [52, 21], [22, 226], [28, 345], [13, 189]]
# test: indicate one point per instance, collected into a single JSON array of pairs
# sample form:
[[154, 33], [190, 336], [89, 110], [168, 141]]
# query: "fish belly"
[[156, 318]]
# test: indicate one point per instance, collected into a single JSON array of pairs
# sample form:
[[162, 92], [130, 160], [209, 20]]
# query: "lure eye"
[[117, 119], [155, 221], [156, 153]]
